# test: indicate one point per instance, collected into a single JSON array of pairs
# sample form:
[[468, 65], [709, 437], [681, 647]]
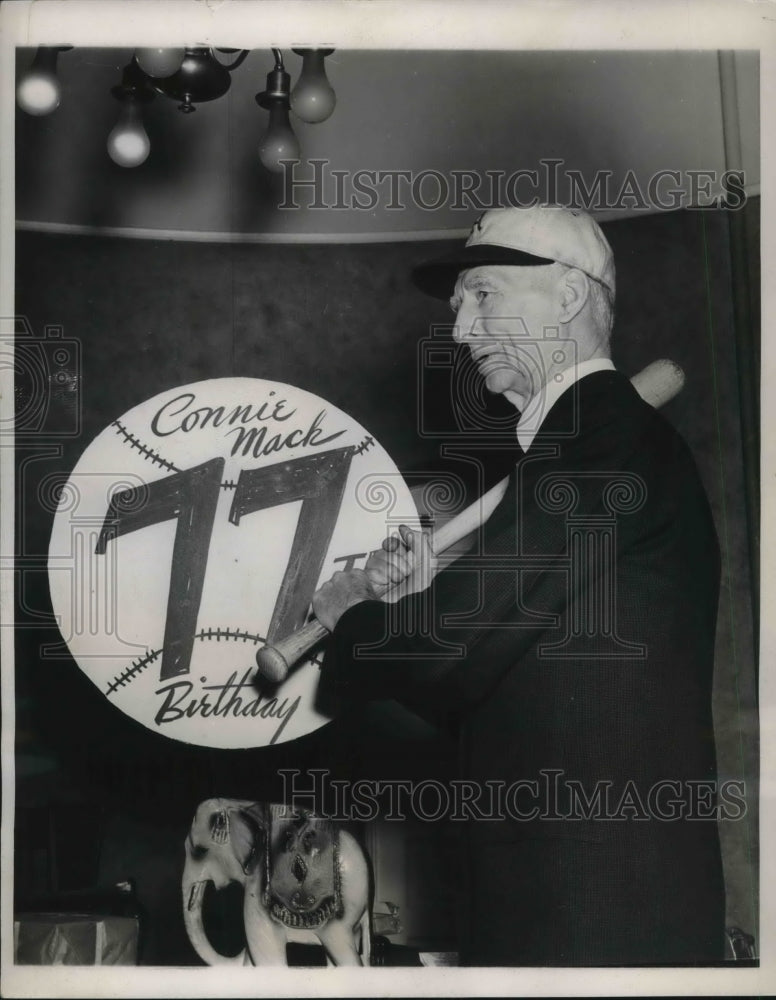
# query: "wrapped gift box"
[[74, 939]]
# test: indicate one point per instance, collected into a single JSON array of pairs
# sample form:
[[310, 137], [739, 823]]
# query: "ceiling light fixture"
[[200, 77], [160, 63], [191, 75], [39, 91], [128, 143], [313, 98], [279, 142]]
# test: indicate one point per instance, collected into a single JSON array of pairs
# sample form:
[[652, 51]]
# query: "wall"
[[345, 322]]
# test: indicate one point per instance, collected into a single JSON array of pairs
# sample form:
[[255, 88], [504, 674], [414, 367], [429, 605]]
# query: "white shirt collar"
[[536, 410]]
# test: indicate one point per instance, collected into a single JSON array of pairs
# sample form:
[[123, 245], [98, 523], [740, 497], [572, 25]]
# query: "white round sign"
[[194, 530]]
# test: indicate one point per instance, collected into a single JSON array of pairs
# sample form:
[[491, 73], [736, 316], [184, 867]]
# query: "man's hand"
[[346, 588], [405, 564]]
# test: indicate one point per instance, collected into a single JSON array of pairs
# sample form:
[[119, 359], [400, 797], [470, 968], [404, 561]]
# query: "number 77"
[[191, 497]]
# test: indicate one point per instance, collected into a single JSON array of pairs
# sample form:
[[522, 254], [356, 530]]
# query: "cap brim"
[[437, 277]]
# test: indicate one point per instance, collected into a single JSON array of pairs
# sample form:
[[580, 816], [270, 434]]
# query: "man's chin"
[[500, 386], [499, 382], [517, 399]]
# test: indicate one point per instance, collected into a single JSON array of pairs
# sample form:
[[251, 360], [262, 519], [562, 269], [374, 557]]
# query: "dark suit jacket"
[[574, 650]]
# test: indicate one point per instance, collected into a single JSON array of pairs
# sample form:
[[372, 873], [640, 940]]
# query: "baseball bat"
[[657, 384]]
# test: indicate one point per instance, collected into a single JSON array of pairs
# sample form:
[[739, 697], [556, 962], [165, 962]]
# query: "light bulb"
[[128, 143], [39, 94], [39, 91], [279, 142], [313, 98], [160, 63]]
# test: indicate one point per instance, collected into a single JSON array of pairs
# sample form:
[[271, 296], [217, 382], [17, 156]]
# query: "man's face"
[[502, 312]]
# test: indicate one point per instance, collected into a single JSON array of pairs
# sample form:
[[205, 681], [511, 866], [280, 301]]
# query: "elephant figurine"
[[304, 879]]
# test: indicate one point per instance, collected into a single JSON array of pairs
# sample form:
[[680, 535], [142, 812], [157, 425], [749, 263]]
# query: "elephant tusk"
[[193, 893], [195, 896]]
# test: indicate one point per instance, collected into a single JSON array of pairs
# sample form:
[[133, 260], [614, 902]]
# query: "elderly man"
[[574, 652]]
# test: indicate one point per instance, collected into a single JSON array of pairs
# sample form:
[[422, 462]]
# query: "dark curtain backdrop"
[[344, 322]]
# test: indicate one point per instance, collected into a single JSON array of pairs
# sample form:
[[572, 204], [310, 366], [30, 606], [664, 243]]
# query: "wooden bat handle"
[[658, 383]]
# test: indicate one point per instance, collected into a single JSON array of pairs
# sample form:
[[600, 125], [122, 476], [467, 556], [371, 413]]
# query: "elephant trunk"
[[193, 894]]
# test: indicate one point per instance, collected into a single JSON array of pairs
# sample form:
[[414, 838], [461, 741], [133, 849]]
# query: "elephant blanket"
[[302, 868]]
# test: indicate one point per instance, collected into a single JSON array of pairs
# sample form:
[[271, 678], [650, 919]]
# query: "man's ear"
[[574, 292]]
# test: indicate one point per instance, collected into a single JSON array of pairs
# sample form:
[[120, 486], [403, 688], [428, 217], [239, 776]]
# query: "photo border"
[[384, 24]]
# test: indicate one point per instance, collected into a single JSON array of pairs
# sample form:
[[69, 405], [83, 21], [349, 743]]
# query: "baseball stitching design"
[[140, 664], [145, 451]]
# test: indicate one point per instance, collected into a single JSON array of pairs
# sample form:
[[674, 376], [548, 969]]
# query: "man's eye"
[[482, 294]]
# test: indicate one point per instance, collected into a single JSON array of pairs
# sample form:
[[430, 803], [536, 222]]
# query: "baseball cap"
[[539, 234]]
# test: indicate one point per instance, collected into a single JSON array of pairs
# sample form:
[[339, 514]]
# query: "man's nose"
[[464, 328]]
